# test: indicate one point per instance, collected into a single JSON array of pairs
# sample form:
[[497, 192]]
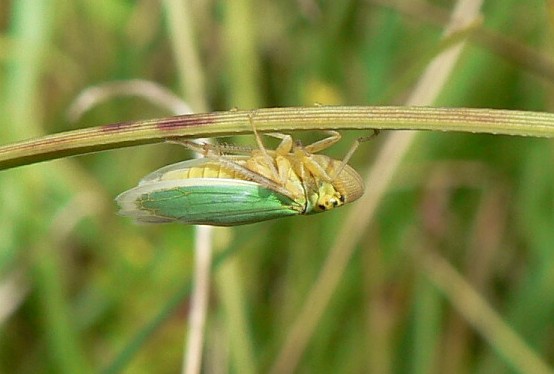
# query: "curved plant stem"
[[119, 135]]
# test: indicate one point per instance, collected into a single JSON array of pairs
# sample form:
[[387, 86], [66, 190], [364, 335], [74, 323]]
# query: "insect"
[[233, 185]]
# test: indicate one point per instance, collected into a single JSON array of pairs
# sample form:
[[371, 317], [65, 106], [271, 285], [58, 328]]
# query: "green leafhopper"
[[226, 189]]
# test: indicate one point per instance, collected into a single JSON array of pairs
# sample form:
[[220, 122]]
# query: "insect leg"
[[266, 156], [207, 149], [305, 162], [351, 151], [286, 144], [253, 176], [324, 143], [204, 149], [313, 166]]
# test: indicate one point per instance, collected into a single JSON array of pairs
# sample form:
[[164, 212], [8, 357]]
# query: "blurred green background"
[[78, 282]]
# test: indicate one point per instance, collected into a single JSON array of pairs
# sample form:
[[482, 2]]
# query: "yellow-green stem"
[[215, 124]]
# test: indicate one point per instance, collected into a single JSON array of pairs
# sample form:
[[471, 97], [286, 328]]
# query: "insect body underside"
[[234, 190]]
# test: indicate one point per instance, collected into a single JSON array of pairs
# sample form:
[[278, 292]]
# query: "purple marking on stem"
[[174, 123], [118, 126], [162, 124]]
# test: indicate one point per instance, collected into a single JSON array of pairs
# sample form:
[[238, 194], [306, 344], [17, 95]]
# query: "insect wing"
[[205, 201]]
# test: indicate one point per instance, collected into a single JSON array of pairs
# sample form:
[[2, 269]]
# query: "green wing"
[[206, 201]]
